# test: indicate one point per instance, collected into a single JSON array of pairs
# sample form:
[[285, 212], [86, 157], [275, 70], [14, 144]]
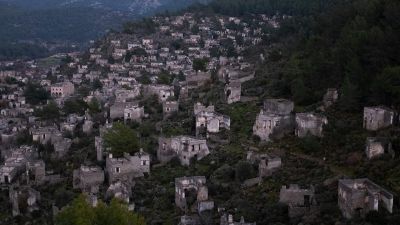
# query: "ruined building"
[[359, 196], [198, 107], [376, 147], [23, 199], [299, 201], [119, 190], [310, 124], [88, 179], [211, 122], [274, 120], [330, 97], [197, 183], [36, 172], [62, 90], [267, 163], [128, 167], [183, 147], [190, 220], [233, 92], [126, 110], [228, 220], [163, 92], [376, 118], [15, 161], [170, 107]]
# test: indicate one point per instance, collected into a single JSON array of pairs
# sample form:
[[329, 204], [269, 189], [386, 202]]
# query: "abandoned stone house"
[[233, 92], [99, 146], [379, 117], [43, 135], [134, 113], [300, 201], [274, 120], [170, 107], [227, 219], [15, 163], [376, 146], [88, 179], [267, 163], [359, 196], [128, 167], [330, 97], [163, 92], [198, 184], [211, 122], [87, 126], [8, 173], [310, 124], [122, 191], [61, 147], [23, 199], [36, 172], [240, 73], [195, 79], [184, 147], [129, 111], [190, 220], [198, 107], [62, 90], [123, 95], [99, 142]]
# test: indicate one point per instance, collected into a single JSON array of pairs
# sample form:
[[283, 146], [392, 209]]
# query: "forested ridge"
[[352, 45]]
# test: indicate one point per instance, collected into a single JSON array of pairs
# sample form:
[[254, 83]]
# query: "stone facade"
[[196, 183], [127, 111], [227, 219], [163, 92], [330, 97], [198, 107], [23, 199], [127, 168], [134, 113], [87, 127], [267, 163], [99, 145], [122, 95], [120, 190], [88, 179], [211, 122], [44, 135], [310, 124], [61, 147], [299, 201], [379, 117], [376, 147], [233, 92], [62, 90], [359, 196], [183, 147], [190, 220], [36, 172], [170, 107], [275, 119], [15, 161]]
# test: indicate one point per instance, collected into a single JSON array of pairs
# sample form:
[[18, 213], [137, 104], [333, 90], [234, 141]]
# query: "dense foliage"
[[120, 139], [36, 94], [81, 213]]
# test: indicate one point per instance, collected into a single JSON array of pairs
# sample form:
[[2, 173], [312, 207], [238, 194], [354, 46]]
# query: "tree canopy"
[[81, 213], [36, 94], [121, 138]]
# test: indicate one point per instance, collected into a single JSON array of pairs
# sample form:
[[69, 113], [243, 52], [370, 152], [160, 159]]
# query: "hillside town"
[[150, 117]]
